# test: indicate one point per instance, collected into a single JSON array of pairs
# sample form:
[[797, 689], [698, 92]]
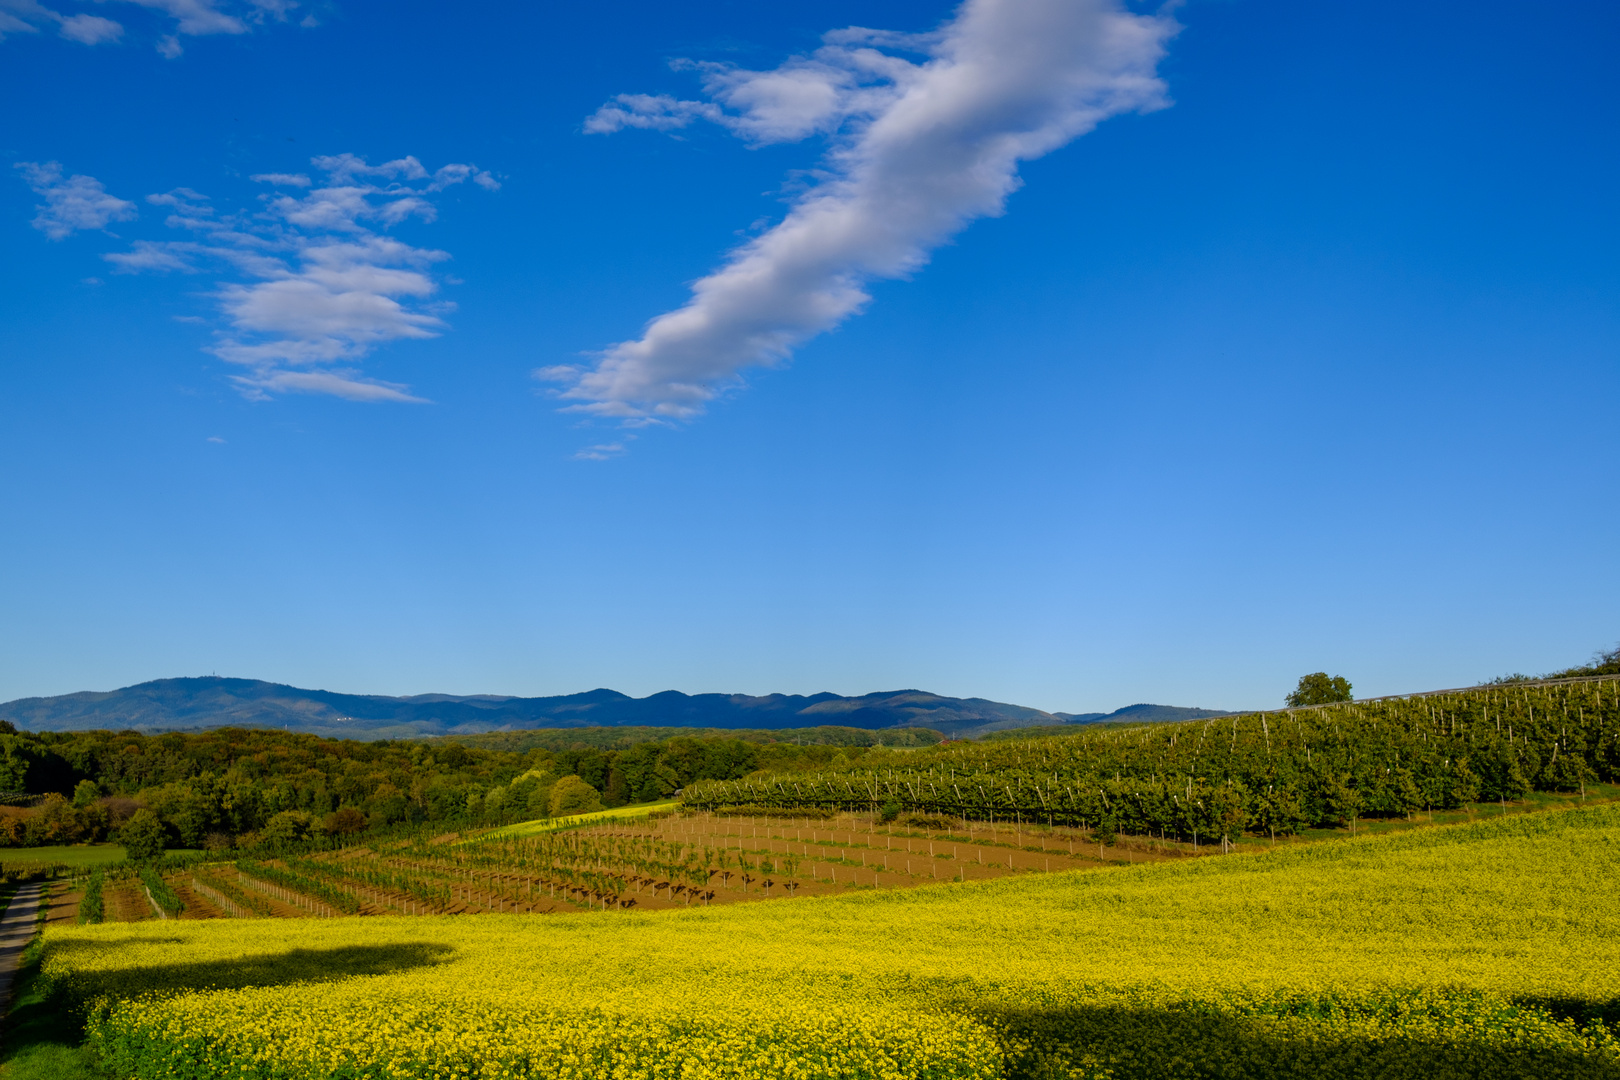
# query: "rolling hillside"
[[1456, 951]]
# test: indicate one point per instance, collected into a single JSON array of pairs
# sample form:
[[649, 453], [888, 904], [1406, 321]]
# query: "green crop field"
[[621, 813], [1472, 950], [1271, 773], [75, 856]]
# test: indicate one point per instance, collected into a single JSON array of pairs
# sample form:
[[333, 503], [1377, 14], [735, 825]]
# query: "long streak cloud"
[[918, 148]]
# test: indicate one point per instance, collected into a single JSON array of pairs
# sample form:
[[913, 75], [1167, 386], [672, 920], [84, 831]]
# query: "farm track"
[[17, 927]]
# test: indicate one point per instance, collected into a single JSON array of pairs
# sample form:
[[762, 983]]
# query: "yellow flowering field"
[[1466, 951], [573, 821]]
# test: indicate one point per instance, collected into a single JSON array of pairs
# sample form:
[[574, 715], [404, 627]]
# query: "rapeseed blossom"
[[1482, 950]]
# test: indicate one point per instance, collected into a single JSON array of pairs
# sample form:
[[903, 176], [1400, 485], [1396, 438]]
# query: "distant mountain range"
[[189, 704]]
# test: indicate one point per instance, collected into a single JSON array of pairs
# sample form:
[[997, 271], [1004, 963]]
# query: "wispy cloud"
[[91, 29], [319, 284], [189, 18], [71, 202], [926, 134], [28, 16], [605, 451], [282, 179]]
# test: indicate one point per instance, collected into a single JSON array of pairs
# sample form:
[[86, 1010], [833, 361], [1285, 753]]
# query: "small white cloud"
[[322, 283], [281, 179], [215, 439], [334, 383], [801, 98], [341, 168], [183, 198], [90, 29], [145, 255], [395, 211], [10, 24], [91, 281], [278, 10], [27, 16], [342, 301], [451, 175], [196, 17], [71, 203], [651, 112], [601, 452], [189, 18]]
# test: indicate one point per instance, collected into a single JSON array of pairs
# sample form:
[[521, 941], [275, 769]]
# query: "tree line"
[[235, 787]]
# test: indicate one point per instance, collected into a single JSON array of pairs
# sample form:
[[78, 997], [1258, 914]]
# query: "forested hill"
[[228, 786], [200, 703], [1142, 713]]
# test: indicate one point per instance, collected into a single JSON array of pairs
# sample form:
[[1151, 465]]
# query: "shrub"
[[345, 821], [571, 795], [286, 828], [143, 836], [91, 908], [163, 896]]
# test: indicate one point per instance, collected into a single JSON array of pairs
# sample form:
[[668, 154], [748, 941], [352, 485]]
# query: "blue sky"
[[1146, 355]]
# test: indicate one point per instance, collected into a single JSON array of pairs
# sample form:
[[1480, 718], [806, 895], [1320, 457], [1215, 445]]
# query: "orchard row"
[[1270, 773]]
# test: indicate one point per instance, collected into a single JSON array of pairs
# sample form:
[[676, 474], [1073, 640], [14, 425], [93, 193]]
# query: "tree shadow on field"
[[1578, 1010], [1126, 1043], [44, 1033], [263, 969]]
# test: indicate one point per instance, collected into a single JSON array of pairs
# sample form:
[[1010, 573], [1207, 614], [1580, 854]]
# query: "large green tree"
[[143, 836], [1319, 688], [571, 795]]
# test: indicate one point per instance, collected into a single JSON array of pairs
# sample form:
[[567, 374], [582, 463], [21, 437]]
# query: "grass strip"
[[166, 899], [92, 907]]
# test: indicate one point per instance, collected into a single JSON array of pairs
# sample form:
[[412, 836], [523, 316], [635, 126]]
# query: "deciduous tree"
[[1319, 688], [143, 836], [571, 795]]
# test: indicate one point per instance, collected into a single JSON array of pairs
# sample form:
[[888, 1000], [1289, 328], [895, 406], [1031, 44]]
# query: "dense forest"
[[233, 786], [817, 741]]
